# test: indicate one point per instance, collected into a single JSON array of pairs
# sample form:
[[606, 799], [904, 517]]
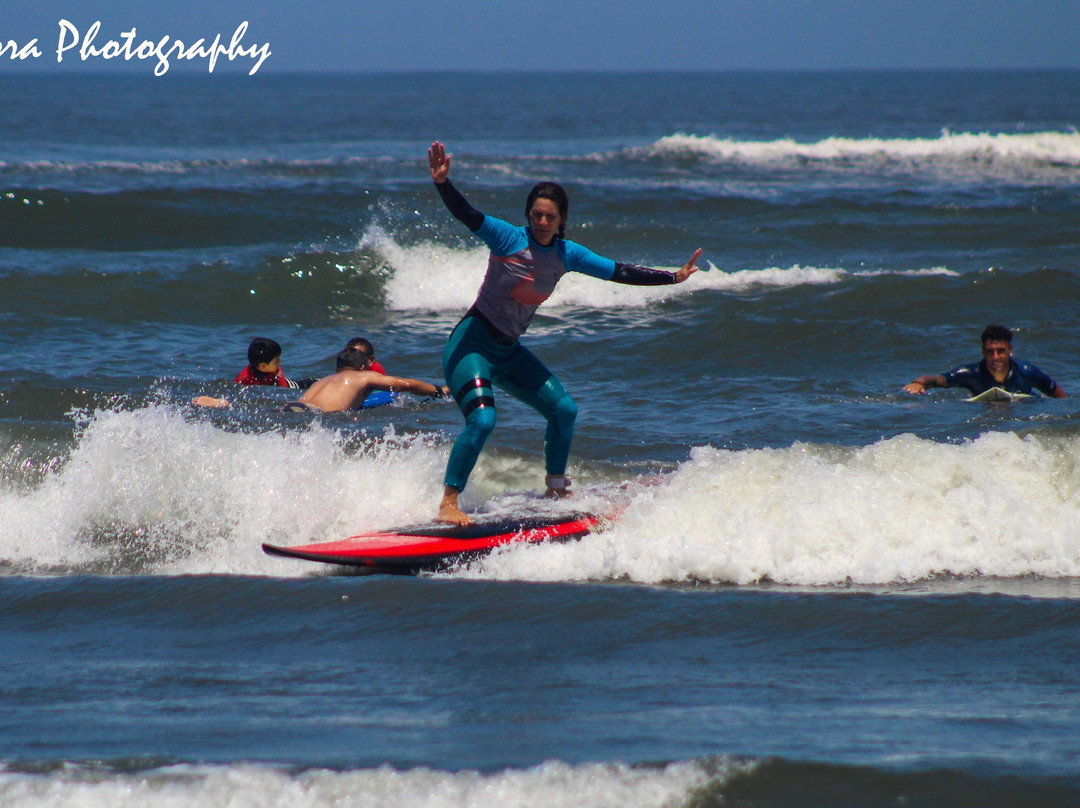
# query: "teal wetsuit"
[[472, 362], [483, 349]]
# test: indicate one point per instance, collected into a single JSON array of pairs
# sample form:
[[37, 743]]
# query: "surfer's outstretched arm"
[[401, 384], [634, 275], [920, 385], [455, 201]]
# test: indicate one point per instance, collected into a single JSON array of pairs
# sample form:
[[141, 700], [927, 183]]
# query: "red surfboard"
[[436, 546]]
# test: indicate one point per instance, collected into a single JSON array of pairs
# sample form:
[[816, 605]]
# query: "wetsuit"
[[1022, 378], [483, 349]]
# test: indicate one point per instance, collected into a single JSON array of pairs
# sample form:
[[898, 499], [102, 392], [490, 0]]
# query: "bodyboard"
[[998, 394], [379, 398], [434, 546]]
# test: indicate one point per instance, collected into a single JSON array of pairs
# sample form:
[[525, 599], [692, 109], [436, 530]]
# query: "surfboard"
[[437, 546], [998, 394]]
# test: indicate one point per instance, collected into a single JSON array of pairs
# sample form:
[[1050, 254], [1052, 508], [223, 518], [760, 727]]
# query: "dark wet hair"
[[262, 349], [362, 344], [353, 359], [557, 194], [996, 333]]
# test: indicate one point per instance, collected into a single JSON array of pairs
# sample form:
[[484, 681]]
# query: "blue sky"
[[555, 35]]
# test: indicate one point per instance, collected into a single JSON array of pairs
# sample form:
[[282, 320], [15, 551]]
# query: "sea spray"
[[152, 490], [899, 510]]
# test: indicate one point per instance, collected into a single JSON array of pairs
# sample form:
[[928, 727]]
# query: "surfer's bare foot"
[[558, 487], [449, 511], [558, 493]]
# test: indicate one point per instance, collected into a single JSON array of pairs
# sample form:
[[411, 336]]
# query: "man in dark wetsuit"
[[996, 369]]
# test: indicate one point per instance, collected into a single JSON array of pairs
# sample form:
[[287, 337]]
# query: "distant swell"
[[973, 151], [779, 782]]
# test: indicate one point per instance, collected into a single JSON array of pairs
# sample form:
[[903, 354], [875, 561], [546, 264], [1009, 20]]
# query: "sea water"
[[820, 590]]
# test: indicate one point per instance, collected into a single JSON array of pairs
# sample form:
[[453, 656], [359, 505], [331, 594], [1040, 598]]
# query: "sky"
[[550, 36]]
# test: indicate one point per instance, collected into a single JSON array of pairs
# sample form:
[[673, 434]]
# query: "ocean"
[[822, 591]]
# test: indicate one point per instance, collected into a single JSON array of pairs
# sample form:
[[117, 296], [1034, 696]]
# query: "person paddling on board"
[[996, 369], [350, 385], [484, 349]]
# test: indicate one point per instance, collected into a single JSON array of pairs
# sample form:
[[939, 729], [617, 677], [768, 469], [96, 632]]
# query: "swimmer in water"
[[997, 368], [354, 380]]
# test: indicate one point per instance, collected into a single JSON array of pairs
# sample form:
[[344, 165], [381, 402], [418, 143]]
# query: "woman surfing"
[[483, 350]]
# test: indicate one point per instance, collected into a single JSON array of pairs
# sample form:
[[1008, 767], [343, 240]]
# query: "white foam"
[[549, 785], [153, 490], [974, 150], [157, 491], [903, 509], [435, 277], [428, 276]]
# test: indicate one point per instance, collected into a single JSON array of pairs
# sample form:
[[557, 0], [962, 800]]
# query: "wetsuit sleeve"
[[641, 276], [459, 206], [582, 259], [966, 376], [1038, 378], [302, 384]]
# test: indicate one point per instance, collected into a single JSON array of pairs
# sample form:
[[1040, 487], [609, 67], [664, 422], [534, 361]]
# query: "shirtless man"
[[350, 385]]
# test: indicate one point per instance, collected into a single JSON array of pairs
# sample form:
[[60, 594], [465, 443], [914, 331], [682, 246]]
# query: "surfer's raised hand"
[[438, 162], [689, 268]]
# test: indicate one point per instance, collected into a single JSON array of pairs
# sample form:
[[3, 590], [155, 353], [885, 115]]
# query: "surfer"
[[997, 368], [347, 388], [483, 349]]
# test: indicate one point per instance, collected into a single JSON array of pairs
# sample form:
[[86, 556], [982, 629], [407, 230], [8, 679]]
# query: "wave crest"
[[974, 151]]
